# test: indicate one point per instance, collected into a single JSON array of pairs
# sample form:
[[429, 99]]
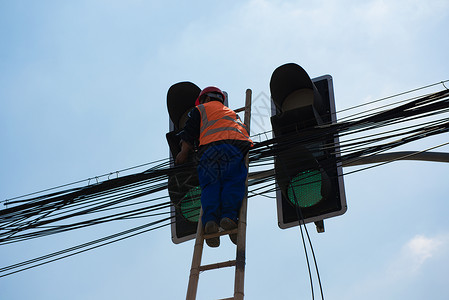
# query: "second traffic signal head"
[[310, 185]]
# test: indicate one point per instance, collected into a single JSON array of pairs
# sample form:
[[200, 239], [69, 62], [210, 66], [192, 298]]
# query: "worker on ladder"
[[221, 141]]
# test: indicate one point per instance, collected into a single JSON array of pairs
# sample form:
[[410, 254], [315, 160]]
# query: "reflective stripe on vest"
[[219, 122]]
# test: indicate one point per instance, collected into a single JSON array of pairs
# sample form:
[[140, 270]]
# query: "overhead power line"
[[142, 195]]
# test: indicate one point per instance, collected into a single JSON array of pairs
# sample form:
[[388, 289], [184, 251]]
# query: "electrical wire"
[[135, 196]]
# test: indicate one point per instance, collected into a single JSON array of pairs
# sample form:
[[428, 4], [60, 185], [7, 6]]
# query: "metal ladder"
[[239, 262]]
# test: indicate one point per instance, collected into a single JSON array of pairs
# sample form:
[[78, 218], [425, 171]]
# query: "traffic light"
[[308, 175], [183, 186]]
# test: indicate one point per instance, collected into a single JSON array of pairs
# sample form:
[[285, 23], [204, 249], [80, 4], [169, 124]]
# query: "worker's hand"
[[181, 157]]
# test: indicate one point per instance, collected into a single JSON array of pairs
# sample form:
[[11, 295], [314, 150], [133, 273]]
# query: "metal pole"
[[395, 156], [379, 158]]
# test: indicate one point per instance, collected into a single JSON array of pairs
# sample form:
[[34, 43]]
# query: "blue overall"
[[222, 174]]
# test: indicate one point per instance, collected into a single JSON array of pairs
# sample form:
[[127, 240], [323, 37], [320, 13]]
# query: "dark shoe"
[[212, 227], [228, 224]]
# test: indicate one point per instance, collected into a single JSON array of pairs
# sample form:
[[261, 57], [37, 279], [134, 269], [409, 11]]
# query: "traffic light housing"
[[309, 179], [183, 185]]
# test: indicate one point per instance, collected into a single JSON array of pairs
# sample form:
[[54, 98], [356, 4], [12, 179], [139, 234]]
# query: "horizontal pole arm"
[[393, 156], [404, 155]]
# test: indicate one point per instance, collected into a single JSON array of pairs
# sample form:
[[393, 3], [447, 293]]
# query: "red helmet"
[[214, 93]]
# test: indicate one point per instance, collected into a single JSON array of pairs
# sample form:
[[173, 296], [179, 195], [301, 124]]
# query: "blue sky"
[[82, 93]]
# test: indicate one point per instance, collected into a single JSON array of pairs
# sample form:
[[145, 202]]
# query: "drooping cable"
[[134, 197]]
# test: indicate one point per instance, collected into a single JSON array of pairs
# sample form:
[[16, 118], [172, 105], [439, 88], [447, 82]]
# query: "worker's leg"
[[208, 175], [233, 178]]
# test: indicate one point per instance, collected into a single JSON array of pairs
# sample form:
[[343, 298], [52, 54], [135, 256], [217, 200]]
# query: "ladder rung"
[[232, 298], [220, 233], [230, 263], [239, 109]]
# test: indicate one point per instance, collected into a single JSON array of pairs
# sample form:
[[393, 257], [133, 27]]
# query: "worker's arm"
[[183, 155]]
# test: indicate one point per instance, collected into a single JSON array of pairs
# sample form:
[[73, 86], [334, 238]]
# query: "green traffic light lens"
[[191, 203], [305, 188]]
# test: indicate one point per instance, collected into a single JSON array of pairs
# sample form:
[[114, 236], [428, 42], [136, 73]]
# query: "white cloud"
[[415, 253], [421, 248], [419, 258]]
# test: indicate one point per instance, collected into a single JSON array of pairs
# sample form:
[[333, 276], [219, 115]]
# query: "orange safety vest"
[[219, 122]]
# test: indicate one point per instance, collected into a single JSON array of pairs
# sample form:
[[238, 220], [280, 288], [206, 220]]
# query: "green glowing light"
[[191, 203], [305, 188]]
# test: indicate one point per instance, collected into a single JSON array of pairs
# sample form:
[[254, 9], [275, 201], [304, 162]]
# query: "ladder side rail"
[[241, 234], [192, 288]]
